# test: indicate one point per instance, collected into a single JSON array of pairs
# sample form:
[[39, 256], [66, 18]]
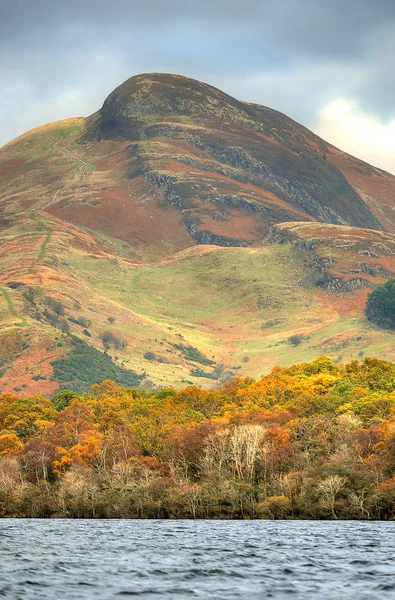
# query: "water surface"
[[65, 559]]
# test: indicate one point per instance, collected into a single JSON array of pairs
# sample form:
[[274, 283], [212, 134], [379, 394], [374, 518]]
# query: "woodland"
[[310, 441]]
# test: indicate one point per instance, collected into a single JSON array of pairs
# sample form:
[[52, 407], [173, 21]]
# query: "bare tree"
[[329, 489], [245, 441]]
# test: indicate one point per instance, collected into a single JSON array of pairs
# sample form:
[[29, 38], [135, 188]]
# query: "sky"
[[328, 64]]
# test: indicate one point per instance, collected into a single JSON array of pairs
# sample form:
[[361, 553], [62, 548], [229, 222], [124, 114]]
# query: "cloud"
[[344, 124], [290, 90], [33, 97], [61, 59]]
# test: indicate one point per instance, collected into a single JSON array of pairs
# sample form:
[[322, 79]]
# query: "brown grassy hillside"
[[201, 232]]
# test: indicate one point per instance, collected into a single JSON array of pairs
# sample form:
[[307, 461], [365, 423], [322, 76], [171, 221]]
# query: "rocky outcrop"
[[328, 250], [174, 120], [373, 270]]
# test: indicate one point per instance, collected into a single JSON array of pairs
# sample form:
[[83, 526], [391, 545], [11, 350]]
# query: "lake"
[[66, 559]]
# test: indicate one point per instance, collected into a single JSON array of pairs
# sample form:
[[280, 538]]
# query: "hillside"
[[191, 236]]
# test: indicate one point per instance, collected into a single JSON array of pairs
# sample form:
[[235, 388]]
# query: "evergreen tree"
[[380, 306]]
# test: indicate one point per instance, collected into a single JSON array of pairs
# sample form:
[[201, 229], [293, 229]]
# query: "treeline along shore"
[[310, 441]]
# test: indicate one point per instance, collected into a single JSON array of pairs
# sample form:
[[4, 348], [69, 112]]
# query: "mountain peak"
[[233, 144], [163, 83], [176, 93], [164, 94]]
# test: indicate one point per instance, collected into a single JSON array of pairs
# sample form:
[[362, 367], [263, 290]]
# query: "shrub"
[[193, 354], [81, 321], [30, 295], [149, 356], [380, 306], [110, 339], [321, 282], [56, 321], [296, 339], [56, 306], [63, 325], [200, 373], [274, 507]]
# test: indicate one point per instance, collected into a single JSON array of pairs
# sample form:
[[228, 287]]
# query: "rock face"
[[168, 96], [344, 259], [216, 158]]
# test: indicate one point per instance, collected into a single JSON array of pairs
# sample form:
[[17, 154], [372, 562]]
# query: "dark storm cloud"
[[63, 57], [332, 27]]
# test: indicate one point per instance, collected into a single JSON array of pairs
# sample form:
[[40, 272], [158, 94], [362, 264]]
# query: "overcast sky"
[[329, 64]]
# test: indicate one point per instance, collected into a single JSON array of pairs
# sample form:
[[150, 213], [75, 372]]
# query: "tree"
[[380, 306], [199, 400], [121, 444], [10, 444], [110, 339], [314, 440], [70, 424], [11, 486], [296, 339], [56, 306], [62, 399], [329, 488], [37, 460], [28, 417], [245, 441], [274, 507]]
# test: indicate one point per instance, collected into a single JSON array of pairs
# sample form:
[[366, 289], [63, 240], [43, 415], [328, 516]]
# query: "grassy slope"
[[233, 303], [238, 306]]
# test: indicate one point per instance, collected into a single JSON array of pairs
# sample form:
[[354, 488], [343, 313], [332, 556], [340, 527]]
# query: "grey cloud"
[[63, 58], [311, 25]]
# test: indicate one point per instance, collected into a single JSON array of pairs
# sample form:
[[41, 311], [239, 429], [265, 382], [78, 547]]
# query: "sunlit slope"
[[244, 309]]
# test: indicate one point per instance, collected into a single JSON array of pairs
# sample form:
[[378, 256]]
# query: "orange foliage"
[[247, 440], [10, 444]]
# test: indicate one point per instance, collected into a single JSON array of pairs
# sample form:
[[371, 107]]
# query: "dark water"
[[61, 559]]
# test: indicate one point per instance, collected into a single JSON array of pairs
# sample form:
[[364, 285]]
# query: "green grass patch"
[[10, 306], [47, 138], [43, 247]]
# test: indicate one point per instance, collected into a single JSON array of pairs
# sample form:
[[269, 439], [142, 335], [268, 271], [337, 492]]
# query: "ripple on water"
[[78, 560]]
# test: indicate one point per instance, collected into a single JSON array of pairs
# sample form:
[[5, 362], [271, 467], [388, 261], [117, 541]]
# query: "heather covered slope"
[[200, 316], [169, 162], [191, 236], [220, 161]]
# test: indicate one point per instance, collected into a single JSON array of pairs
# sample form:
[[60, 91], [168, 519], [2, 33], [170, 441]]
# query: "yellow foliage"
[[9, 444]]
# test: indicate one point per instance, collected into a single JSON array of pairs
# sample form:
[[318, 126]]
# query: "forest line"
[[311, 441]]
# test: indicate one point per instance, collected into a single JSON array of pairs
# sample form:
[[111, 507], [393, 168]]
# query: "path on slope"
[[10, 306], [47, 239], [81, 162]]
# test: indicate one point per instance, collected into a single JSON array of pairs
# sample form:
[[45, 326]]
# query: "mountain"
[[179, 235]]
